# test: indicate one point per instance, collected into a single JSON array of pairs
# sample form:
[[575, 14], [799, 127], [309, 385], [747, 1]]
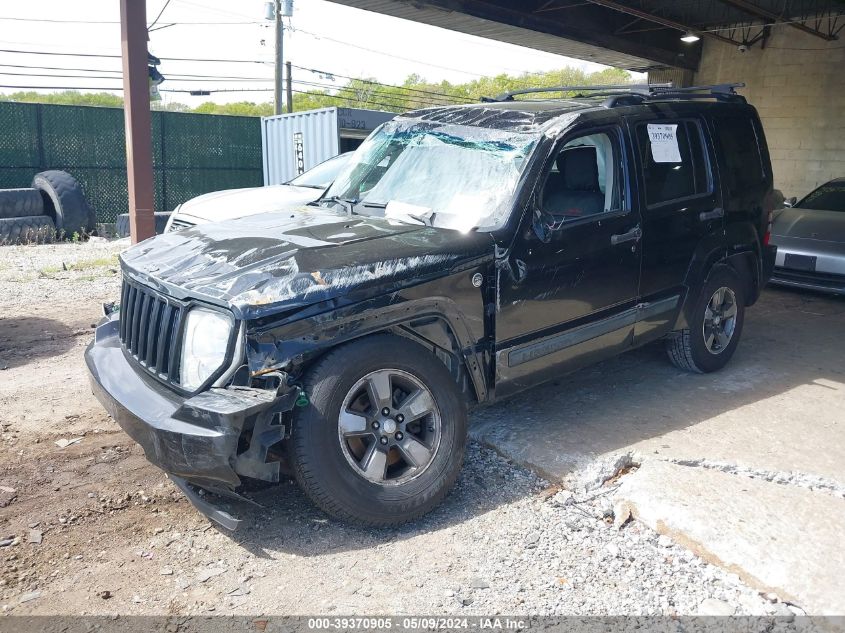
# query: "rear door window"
[[740, 153], [673, 159]]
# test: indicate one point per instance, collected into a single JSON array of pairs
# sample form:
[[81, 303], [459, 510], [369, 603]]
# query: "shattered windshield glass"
[[451, 176]]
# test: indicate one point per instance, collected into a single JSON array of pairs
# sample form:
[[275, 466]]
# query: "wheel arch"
[[435, 324], [737, 248]]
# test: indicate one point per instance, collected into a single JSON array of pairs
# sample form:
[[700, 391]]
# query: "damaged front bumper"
[[206, 441]]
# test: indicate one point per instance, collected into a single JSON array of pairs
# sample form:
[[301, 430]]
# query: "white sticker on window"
[[664, 143]]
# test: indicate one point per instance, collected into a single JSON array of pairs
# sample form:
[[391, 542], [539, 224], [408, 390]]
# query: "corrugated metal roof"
[[630, 34], [457, 21]]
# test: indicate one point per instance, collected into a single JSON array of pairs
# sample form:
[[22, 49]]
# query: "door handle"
[[704, 216], [633, 235]]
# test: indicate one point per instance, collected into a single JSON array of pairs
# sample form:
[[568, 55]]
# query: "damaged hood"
[[235, 203], [266, 263]]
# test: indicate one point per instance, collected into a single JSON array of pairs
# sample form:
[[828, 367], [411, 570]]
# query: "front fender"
[[447, 311]]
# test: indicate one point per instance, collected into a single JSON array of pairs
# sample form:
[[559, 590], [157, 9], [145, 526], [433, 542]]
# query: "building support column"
[[136, 111]]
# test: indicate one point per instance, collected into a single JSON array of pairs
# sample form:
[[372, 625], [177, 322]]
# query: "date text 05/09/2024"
[[417, 623]]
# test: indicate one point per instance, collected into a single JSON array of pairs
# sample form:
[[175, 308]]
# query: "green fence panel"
[[19, 136], [192, 153]]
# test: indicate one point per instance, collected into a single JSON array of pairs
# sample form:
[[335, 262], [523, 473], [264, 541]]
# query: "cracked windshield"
[[450, 176]]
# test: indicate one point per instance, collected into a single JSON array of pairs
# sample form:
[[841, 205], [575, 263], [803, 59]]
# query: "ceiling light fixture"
[[689, 37]]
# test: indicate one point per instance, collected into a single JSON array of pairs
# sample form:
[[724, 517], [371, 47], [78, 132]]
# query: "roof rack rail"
[[630, 94], [623, 88]]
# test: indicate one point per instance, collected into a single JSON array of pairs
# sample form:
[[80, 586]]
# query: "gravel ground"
[[92, 528], [61, 272]]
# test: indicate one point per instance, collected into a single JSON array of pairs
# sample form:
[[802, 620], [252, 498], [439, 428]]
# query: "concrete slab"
[[775, 413], [779, 404], [752, 527]]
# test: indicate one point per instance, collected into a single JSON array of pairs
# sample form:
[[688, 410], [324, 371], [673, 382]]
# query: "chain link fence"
[[192, 153]]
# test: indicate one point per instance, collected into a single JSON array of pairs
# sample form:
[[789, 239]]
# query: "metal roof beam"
[[624, 8], [760, 12]]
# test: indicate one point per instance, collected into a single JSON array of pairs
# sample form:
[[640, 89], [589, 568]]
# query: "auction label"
[[664, 142]]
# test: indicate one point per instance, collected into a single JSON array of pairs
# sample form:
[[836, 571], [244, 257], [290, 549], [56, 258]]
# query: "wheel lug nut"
[[385, 411], [400, 418], [376, 424], [399, 435], [383, 440]]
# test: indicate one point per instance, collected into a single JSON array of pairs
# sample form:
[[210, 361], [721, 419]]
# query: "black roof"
[[526, 116], [517, 116]]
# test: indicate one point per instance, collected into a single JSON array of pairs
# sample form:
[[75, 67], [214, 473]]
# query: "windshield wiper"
[[426, 218], [348, 204]]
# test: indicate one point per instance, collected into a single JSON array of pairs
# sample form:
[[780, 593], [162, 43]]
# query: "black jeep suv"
[[464, 254]]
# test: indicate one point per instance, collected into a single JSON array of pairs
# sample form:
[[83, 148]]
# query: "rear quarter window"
[[740, 149], [679, 177]]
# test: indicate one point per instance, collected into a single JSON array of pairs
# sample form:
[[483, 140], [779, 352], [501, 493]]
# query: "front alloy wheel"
[[389, 427], [382, 439]]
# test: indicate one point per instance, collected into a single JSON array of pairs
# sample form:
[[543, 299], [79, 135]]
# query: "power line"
[[106, 70], [398, 97], [212, 9], [62, 87], [3, 72], [111, 22], [192, 90], [240, 61], [92, 70], [376, 83], [115, 56], [166, 2], [346, 100], [387, 54], [169, 77]]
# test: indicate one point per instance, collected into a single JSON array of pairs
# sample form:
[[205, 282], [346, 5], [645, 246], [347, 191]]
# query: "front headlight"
[[207, 335]]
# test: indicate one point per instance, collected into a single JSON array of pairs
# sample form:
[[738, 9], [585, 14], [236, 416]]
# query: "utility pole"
[[280, 36], [136, 111], [290, 88]]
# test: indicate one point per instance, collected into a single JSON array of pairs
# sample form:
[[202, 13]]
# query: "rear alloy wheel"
[[715, 326], [719, 320], [382, 439]]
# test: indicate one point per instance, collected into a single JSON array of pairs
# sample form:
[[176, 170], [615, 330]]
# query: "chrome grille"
[[149, 330], [179, 224]]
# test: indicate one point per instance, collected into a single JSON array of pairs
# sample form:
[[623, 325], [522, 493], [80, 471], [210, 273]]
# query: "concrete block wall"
[[797, 83]]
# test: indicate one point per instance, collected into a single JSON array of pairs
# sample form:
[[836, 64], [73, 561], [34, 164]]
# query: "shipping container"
[[293, 143]]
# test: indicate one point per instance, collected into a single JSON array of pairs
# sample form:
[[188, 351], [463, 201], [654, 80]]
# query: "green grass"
[[82, 264]]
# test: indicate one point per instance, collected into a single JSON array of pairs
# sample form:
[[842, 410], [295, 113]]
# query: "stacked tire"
[[54, 206]]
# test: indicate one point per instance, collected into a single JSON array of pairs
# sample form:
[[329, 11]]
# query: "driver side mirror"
[[790, 202], [543, 224]]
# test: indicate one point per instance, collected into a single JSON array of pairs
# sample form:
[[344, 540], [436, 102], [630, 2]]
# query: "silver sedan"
[[810, 236]]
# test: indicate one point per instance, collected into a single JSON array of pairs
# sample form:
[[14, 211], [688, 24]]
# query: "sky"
[[321, 35]]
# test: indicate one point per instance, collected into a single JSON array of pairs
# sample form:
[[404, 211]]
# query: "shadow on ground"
[[24, 339], [790, 339], [289, 522]]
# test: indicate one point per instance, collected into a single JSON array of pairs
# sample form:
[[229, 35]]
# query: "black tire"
[[121, 224], [31, 229], [688, 349], [315, 450], [20, 203], [65, 202]]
